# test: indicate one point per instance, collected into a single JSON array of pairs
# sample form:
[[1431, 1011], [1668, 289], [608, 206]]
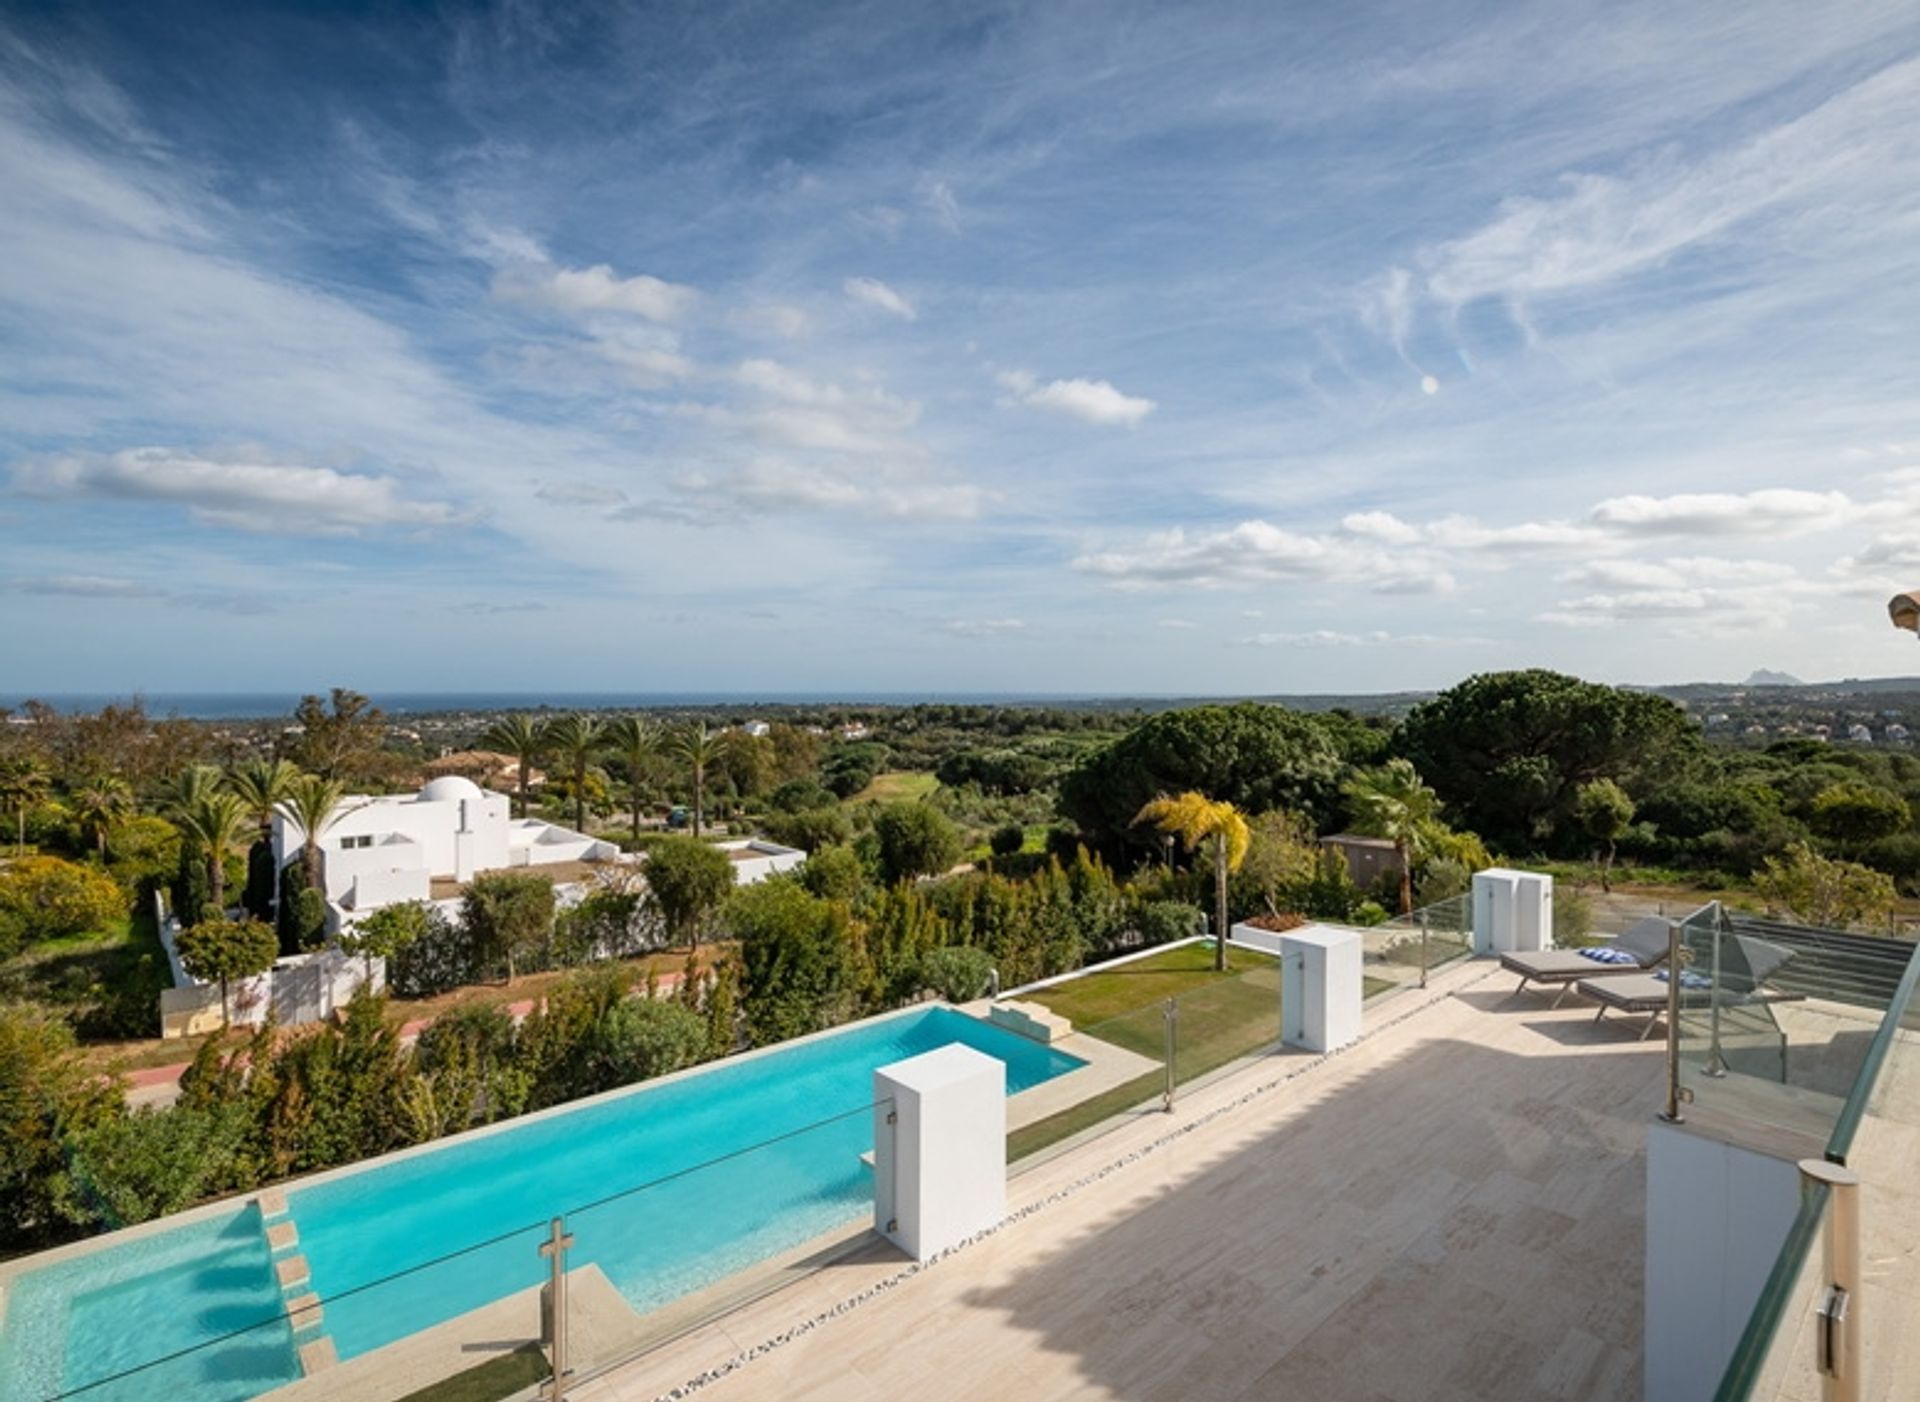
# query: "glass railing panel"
[[1403, 952], [1226, 1020], [1123, 1074], [275, 1300], [1776, 1346], [653, 1259]]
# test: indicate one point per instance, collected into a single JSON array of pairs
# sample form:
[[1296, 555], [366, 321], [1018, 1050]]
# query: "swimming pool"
[[666, 1188]]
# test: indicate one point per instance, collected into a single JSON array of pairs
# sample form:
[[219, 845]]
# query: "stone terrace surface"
[[1450, 1209]]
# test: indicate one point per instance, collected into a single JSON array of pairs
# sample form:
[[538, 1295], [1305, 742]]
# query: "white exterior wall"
[[1716, 1216], [768, 858]]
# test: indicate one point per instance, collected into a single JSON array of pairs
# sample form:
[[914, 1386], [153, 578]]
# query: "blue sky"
[[1065, 348]]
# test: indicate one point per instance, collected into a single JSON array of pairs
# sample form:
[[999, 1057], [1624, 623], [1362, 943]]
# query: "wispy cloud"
[[579, 291], [874, 293], [1094, 401], [252, 496], [984, 627]]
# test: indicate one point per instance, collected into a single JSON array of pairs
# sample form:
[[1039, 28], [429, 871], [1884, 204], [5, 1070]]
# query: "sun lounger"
[[1645, 944], [1745, 965]]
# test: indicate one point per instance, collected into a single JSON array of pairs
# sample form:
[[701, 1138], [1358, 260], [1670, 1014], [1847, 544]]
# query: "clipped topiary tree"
[[219, 951]]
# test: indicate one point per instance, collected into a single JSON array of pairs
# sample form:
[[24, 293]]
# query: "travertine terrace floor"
[[1449, 1209]]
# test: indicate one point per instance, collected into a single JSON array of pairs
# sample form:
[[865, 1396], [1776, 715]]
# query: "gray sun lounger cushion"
[[1745, 964], [1646, 941]]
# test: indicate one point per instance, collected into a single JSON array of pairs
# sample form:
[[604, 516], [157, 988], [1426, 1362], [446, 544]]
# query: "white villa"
[[383, 849]]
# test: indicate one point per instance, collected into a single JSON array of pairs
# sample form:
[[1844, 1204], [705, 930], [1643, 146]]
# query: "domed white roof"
[[449, 788]]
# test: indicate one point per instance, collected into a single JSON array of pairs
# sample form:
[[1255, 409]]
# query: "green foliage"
[[1007, 839], [1163, 922], [1604, 812], [257, 896], [914, 839], [220, 951], [723, 1009], [850, 768], [810, 829], [383, 933], [609, 922], [834, 873], [899, 931], [142, 851], [1822, 891], [1441, 879], [136, 1167], [45, 898], [464, 1072], [509, 918], [1851, 815], [689, 881], [46, 1097], [1256, 757], [995, 771], [1392, 802], [1572, 918], [800, 795], [1507, 751], [191, 894], [638, 1038], [794, 958], [957, 973], [341, 1090], [440, 958]]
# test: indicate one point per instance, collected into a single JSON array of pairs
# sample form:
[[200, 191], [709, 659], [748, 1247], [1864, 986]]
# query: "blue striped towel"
[[1607, 954]]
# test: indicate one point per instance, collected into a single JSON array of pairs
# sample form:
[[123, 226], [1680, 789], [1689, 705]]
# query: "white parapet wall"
[[939, 1148]]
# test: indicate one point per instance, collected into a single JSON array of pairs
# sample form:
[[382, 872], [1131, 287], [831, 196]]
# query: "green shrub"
[[957, 973], [1007, 839], [45, 898], [1162, 922]]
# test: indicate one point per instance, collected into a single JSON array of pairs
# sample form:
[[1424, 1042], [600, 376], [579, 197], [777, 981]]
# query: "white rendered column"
[[939, 1148]]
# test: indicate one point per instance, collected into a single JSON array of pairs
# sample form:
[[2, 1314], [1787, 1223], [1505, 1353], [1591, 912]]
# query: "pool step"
[[304, 1312], [317, 1355], [293, 1274], [272, 1204], [1031, 1020], [282, 1236]]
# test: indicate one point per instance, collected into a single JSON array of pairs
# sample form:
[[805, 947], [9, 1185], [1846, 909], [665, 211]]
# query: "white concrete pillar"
[[939, 1148], [1512, 910], [1320, 987]]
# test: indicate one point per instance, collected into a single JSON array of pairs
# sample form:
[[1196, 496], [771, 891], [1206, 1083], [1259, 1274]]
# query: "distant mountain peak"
[[1762, 677]]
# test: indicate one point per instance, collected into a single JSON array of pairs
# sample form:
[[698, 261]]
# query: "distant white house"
[[387, 848], [383, 849]]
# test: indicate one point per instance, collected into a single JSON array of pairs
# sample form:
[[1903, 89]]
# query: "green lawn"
[[1220, 1018], [490, 1382], [106, 982], [1096, 997], [898, 784]]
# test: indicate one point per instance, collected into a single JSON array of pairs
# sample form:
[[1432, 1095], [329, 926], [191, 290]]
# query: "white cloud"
[[984, 627], [583, 291], [788, 322], [1382, 526], [1773, 511], [253, 496], [81, 586], [1258, 552], [875, 293], [1328, 638], [1095, 401], [579, 494], [771, 485]]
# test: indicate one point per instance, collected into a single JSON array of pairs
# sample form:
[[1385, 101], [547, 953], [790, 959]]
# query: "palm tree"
[[1195, 819], [636, 739], [698, 747], [189, 787], [312, 804], [1393, 803], [215, 824], [261, 785], [23, 783], [99, 803], [519, 736], [575, 739]]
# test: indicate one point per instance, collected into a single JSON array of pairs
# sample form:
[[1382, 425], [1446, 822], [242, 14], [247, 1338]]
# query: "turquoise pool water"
[[665, 1188]]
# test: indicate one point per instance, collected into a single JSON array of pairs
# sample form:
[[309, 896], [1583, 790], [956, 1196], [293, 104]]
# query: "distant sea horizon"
[[264, 705]]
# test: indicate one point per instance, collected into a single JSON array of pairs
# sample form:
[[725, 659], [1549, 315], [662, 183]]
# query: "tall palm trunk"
[[699, 794], [217, 880], [525, 764], [1220, 902], [580, 794], [1406, 876]]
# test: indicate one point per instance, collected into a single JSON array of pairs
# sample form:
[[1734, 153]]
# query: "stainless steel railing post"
[[1837, 1311], [1171, 1014], [553, 1314], [1676, 1093]]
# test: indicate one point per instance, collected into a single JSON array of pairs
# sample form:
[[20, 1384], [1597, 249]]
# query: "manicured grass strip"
[[492, 1381], [897, 785], [1030, 1139], [1096, 997]]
